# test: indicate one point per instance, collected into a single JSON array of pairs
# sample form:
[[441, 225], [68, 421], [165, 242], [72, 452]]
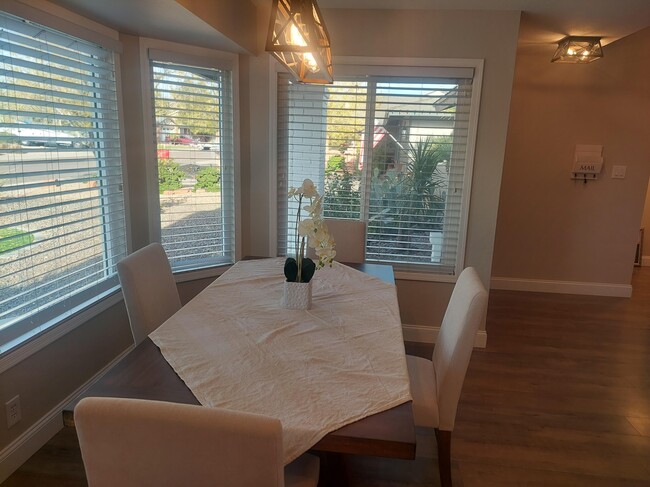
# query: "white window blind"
[[195, 156], [387, 150], [62, 220]]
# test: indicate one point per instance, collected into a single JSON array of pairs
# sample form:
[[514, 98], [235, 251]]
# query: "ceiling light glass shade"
[[299, 40], [578, 50]]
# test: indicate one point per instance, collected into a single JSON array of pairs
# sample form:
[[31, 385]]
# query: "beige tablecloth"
[[236, 347]]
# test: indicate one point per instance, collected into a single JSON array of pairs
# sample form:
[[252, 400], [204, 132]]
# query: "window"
[[194, 137], [389, 150], [62, 219]]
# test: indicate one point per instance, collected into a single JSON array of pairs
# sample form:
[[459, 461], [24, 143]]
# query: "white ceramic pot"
[[297, 295]]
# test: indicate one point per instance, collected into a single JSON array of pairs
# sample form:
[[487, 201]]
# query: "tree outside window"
[[394, 156]]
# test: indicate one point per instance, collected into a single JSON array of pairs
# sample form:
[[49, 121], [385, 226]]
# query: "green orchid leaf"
[[308, 269], [291, 269]]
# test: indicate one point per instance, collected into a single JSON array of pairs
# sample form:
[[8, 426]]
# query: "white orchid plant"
[[312, 232]]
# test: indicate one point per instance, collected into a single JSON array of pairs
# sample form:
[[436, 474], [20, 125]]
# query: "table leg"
[[333, 472]]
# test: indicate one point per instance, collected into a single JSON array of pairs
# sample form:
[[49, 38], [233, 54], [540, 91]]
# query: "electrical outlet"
[[13, 411]]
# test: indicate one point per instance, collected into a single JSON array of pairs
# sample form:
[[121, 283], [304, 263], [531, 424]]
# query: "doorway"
[[644, 237]]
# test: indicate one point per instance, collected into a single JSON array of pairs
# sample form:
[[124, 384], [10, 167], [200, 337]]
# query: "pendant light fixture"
[[298, 39], [578, 50]]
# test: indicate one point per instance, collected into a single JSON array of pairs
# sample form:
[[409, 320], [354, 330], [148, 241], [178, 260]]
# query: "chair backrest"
[[455, 342], [131, 443], [149, 289], [349, 238]]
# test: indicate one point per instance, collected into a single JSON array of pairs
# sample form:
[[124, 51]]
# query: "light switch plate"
[[618, 172]]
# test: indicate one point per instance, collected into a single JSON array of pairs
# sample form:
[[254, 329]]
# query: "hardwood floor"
[[561, 396]]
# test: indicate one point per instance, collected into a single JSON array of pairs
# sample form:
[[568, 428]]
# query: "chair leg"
[[444, 456]]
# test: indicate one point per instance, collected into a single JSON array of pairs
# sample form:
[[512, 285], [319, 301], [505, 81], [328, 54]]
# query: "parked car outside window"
[[183, 140]]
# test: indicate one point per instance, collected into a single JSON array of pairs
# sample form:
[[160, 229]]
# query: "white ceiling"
[[545, 21], [160, 19], [551, 19]]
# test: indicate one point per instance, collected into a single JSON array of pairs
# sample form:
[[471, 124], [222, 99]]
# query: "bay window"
[[193, 120], [62, 216], [393, 150]]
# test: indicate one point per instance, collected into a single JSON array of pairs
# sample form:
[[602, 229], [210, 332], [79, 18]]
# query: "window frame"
[[62, 323], [165, 51], [360, 66]]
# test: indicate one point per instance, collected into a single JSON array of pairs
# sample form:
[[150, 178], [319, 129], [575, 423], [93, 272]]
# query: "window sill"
[[27, 345], [423, 276], [204, 273]]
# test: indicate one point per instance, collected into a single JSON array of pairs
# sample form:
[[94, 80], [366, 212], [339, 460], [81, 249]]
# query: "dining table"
[[189, 359]]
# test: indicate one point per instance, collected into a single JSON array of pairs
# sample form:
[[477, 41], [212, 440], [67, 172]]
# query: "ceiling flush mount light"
[[578, 50], [299, 40]]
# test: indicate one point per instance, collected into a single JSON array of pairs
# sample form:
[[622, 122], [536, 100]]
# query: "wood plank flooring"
[[561, 396]]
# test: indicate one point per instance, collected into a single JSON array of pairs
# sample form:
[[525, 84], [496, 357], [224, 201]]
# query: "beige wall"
[[232, 19], [49, 376], [449, 34], [134, 141], [46, 378], [551, 227], [258, 189], [491, 36]]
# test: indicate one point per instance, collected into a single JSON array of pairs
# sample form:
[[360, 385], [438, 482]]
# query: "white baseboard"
[[562, 287], [23, 447], [31, 440], [429, 334], [645, 261]]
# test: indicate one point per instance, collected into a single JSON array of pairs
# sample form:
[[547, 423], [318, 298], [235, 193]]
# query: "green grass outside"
[[13, 238]]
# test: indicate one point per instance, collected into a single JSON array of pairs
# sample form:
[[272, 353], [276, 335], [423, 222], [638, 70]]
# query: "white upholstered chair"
[[133, 443], [349, 238], [436, 384], [149, 289]]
